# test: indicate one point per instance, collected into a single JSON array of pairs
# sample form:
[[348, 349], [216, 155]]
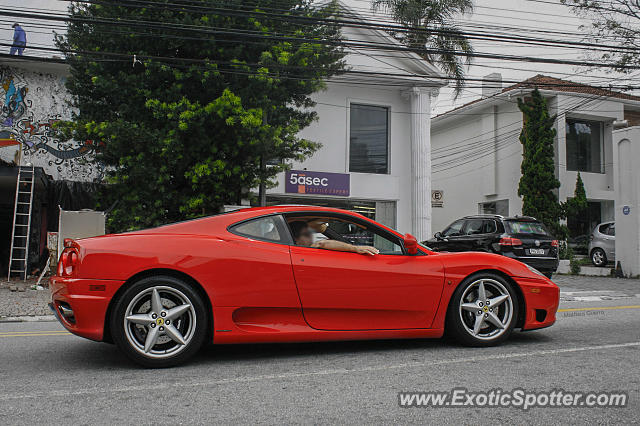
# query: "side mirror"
[[411, 244], [438, 236]]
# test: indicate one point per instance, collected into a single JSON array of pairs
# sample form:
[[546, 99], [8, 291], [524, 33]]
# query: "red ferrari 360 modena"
[[239, 277]]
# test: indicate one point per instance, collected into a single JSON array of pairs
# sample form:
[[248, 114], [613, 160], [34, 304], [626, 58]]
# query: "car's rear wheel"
[[483, 310], [598, 257], [159, 321]]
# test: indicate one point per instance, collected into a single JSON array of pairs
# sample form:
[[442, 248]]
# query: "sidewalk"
[[630, 286], [24, 302]]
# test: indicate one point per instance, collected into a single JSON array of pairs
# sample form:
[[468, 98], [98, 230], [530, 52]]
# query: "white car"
[[602, 244]]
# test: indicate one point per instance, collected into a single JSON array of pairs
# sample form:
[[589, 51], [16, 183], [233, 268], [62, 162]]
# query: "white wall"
[[627, 177], [476, 158]]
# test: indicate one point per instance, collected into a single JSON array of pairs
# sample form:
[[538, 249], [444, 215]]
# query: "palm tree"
[[432, 33]]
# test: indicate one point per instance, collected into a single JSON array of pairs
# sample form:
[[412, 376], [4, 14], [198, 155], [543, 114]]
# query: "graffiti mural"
[[31, 103]]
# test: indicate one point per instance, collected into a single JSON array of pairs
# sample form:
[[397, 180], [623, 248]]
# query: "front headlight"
[[534, 270]]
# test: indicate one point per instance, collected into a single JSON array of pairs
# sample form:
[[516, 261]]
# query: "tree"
[[577, 205], [538, 183], [423, 17], [186, 100], [615, 22]]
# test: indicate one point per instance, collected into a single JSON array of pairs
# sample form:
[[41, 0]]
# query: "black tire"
[[456, 328], [197, 318], [598, 257]]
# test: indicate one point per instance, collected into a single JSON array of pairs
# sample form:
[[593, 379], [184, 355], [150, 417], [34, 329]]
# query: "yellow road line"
[[34, 334], [603, 308]]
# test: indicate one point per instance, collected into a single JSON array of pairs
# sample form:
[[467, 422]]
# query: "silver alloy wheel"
[[486, 309], [160, 322], [597, 257]]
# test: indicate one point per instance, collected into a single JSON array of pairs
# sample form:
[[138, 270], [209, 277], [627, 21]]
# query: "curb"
[[28, 318]]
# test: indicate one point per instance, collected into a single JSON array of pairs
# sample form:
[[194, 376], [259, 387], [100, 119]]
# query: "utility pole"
[[262, 189]]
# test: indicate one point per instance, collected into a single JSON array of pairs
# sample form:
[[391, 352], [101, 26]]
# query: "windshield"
[[533, 228]]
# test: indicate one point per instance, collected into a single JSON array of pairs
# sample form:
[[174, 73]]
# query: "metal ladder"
[[19, 253]]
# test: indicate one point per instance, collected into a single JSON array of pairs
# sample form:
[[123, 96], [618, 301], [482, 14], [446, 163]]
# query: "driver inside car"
[[303, 236]]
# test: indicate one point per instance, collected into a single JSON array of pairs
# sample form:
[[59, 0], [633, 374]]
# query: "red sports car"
[[263, 275]]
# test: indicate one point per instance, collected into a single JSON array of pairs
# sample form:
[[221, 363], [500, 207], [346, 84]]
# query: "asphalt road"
[[49, 376]]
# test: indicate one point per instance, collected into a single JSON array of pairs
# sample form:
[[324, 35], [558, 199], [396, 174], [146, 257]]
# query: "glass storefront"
[[380, 211]]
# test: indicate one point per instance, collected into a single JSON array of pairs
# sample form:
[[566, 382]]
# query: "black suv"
[[522, 238]]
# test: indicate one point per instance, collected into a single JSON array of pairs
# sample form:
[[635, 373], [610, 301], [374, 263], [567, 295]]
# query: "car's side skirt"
[[256, 325]]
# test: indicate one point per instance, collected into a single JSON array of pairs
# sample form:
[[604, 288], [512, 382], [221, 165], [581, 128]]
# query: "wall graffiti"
[[31, 103]]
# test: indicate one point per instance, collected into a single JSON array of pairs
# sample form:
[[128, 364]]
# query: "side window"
[[454, 229], [360, 236], [262, 228], [342, 230], [612, 230], [489, 226], [473, 227], [604, 229]]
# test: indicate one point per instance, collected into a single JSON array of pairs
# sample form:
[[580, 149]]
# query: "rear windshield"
[[534, 228]]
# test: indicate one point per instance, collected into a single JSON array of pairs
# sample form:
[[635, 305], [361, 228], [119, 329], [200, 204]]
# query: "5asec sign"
[[306, 182]]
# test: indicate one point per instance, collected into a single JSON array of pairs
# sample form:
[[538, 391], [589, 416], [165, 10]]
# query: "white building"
[[477, 154], [375, 135]]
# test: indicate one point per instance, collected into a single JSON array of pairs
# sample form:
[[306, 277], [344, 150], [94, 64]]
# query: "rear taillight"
[[68, 260], [554, 243], [508, 241]]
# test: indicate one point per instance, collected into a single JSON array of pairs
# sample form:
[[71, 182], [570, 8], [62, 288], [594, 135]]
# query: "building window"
[[585, 146], [500, 207], [369, 139]]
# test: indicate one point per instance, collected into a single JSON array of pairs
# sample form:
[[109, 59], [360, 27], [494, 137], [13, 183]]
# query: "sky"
[[522, 16]]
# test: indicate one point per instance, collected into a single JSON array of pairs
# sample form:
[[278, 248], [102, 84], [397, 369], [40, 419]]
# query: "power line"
[[364, 24], [356, 24]]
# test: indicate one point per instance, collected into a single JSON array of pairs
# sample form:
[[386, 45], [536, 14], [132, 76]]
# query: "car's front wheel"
[[598, 257], [159, 321], [483, 310]]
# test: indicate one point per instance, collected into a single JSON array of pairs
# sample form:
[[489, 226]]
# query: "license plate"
[[536, 251]]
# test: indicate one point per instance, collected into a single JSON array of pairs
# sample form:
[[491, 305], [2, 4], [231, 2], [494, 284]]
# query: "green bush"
[[574, 265], [565, 252]]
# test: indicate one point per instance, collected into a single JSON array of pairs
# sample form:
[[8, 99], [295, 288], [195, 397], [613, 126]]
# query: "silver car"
[[602, 246]]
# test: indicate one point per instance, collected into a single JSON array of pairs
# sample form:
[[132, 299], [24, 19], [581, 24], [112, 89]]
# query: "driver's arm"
[[318, 225], [340, 246]]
